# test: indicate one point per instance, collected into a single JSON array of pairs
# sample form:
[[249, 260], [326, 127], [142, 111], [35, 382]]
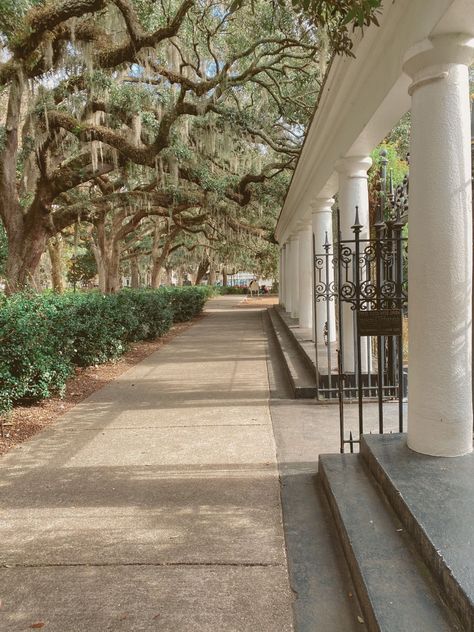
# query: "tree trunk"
[[158, 259], [135, 272], [212, 275], [112, 270], [27, 233], [24, 254], [107, 254], [202, 270], [224, 277], [156, 275], [55, 250], [100, 265]]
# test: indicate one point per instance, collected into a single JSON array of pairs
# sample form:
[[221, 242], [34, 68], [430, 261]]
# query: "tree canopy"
[[158, 129]]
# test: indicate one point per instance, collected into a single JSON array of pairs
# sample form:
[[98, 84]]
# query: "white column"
[[294, 278], [322, 226], [439, 279], [305, 309], [281, 277], [288, 262], [353, 191]]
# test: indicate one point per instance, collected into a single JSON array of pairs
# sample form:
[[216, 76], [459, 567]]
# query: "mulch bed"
[[25, 421]]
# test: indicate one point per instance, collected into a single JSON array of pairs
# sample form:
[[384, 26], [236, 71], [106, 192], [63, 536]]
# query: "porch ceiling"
[[364, 97]]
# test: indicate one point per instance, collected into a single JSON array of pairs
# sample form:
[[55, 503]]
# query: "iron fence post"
[[356, 228]]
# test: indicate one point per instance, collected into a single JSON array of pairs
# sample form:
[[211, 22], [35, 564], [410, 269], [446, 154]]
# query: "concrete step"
[[304, 347], [432, 497], [396, 591], [301, 379]]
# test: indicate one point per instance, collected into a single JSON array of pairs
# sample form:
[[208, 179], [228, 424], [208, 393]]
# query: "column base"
[[438, 439], [420, 449]]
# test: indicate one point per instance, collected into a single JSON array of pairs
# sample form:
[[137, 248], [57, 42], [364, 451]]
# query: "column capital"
[[354, 166], [427, 60], [322, 205]]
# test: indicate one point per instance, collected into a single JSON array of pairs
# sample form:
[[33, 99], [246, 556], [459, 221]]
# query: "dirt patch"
[[25, 421]]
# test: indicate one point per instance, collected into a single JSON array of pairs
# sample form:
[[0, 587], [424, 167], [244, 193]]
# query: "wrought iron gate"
[[363, 288]]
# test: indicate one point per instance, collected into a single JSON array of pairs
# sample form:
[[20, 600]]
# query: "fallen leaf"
[[38, 624], [156, 616], [360, 619]]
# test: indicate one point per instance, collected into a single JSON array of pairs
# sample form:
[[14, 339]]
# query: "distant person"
[[254, 287], [265, 290]]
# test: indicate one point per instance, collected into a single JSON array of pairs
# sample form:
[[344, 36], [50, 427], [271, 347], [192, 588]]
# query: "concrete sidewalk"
[[154, 504]]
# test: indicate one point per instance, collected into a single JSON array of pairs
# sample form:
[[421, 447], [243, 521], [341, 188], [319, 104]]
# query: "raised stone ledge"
[[433, 498]]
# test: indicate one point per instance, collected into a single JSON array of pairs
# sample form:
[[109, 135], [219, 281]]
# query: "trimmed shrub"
[[187, 302], [146, 314], [43, 336], [33, 362], [234, 289]]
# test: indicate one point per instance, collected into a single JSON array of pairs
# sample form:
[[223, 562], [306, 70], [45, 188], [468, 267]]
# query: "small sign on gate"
[[379, 322]]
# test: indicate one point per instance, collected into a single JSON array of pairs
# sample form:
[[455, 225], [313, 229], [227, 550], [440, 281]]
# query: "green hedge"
[[234, 289], [43, 336], [187, 302]]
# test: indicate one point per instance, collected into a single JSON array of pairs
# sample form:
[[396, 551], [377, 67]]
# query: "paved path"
[[154, 504]]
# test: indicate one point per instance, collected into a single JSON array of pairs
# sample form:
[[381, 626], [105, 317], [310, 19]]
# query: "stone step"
[[304, 347], [432, 497], [302, 380], [396, 591]]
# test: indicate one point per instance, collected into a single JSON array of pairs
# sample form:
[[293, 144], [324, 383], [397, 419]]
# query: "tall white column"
[[305, 268], [294, 277], [439, 279], [353, 191], [288, 276], [281, 277], [322, 226]]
